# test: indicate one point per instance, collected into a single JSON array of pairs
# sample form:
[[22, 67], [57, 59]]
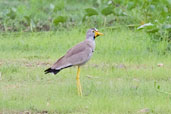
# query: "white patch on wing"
[[61, 67]]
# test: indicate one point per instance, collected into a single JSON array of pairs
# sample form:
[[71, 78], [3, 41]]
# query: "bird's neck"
[[91, 38]]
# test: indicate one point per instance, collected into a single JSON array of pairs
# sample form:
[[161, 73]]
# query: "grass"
[[119, 78], [129, 71]]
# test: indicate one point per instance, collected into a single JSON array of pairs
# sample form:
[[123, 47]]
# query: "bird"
[[77, 56]]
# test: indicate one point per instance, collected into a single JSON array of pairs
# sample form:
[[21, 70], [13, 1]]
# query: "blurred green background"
[[24, 15], [52, 15]]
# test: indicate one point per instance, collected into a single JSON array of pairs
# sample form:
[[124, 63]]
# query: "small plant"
[[30, 22], [108, 10], [158, 31], [158, 89], [89, 12], [59, 19]]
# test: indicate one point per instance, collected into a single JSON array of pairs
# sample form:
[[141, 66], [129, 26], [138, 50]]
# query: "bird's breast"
[[91, 44]]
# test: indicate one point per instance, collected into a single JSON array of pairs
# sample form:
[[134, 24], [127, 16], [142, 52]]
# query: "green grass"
[[119, 78]]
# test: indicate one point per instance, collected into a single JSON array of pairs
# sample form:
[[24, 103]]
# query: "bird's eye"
[[93, 31]]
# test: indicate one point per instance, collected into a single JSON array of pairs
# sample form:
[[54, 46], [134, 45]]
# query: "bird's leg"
[[78, 82]]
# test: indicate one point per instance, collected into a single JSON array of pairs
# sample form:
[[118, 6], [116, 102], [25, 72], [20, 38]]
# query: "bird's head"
[[93, 33]]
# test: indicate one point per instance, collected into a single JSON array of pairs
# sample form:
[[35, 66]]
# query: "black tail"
[[49, 70]]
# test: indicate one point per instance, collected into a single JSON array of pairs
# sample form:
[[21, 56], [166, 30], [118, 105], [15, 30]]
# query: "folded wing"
[[77, 55]]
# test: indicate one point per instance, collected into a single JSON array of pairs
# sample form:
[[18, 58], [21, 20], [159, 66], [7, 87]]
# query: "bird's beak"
[[97, 33]]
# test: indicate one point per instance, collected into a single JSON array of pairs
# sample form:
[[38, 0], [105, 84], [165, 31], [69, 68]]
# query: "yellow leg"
[[78, 82]]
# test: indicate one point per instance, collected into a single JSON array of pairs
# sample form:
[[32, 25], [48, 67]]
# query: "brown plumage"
[[77, 55]]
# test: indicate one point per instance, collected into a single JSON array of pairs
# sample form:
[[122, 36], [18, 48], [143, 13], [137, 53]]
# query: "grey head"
[[93, 33]]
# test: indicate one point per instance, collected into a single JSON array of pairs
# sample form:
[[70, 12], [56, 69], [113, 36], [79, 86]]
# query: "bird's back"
[[77, 55]]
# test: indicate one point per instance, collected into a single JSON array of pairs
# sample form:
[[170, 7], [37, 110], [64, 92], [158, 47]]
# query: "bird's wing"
[[79, 54], [76, 49]]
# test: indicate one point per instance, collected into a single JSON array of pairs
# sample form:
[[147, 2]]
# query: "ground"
[[127, 74]]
